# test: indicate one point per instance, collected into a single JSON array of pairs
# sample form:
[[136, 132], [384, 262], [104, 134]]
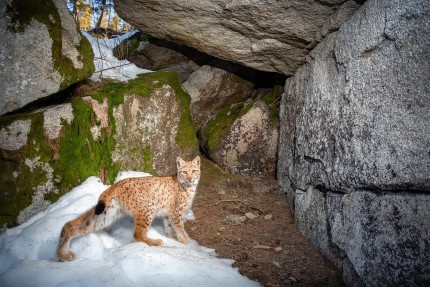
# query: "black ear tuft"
[[100, 207]]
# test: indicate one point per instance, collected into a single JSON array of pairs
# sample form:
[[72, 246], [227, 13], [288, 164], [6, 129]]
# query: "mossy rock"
[[36, 168], [218, 126], [242, 138], [222, 121], [50, 53]]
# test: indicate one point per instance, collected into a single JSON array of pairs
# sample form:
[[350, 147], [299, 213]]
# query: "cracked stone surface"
[[354, 152], [345, 129]]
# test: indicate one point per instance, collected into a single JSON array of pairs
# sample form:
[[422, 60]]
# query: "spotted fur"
[[143, 198]]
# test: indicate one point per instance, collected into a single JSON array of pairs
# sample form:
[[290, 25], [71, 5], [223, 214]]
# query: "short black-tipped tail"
[[100, 207]]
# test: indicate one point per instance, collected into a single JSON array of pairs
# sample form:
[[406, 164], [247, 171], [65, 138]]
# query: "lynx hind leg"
[[84, 224], [141, 231], [72, 229], [168, 227], [63, 252]]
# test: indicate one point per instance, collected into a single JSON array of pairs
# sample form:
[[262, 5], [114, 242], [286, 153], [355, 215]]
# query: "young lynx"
[[143, 198]]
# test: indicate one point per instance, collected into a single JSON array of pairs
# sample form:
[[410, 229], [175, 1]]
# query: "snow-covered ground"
[[105, 258], [107, 65]]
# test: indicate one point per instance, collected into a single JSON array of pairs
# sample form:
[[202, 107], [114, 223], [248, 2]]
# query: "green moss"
[[273, 95], [80, 155], [210, 169], [272, 99], [186, 136], [9, 193], [22, 12], [224, 119], [147, 160]]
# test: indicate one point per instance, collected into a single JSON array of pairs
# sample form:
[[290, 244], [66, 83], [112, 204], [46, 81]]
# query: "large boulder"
[[375, 240], [354, 144], [139, 125], [41, 51], [265, 35], [212, 88], [243, 138], [154, 129]]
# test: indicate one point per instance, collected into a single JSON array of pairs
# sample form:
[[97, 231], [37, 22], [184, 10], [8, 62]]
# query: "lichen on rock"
[[15, 135], [102, 113], [53, 117], [147, 129], [39, 203]]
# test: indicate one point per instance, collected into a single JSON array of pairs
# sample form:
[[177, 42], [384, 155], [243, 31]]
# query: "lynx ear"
[[179, 162], [196, 161]]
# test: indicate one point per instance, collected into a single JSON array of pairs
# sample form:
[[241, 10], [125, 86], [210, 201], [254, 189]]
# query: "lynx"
[[143, 198]]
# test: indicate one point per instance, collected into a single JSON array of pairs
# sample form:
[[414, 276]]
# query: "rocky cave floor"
[[247, 219]]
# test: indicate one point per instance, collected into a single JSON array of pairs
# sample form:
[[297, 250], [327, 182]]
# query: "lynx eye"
[[195, 171]]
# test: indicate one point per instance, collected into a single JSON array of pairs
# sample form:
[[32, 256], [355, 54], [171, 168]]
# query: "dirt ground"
[[247, 219]]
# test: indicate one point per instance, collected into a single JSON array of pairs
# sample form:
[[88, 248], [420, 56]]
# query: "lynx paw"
[[158, 242], [183, 239], [68, 256], [153, 242]]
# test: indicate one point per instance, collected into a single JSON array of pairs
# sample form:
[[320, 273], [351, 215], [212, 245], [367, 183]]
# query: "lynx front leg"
[[141, 230], [178, 225]]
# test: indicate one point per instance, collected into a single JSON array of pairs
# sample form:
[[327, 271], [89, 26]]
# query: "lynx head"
[[188, 172]]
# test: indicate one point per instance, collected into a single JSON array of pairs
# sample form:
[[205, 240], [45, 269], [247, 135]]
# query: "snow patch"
[[107, 65], [106, 258]]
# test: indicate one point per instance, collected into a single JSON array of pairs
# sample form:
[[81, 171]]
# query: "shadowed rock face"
[[356, 115], [266, 35], [354, 145]]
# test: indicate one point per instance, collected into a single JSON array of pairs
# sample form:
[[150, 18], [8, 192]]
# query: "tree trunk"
[[102, 12]]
